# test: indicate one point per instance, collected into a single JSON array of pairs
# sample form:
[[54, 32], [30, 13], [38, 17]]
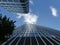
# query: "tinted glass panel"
[[16, 0], [4, 0], [0, 0], [16, 6], [23, 0], [10, 0]]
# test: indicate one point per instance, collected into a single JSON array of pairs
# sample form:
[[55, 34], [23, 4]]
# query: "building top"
[[16, 6]]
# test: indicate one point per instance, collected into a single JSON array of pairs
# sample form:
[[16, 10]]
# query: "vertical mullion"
[[46, 38], [24, 41], [30, 41], [36, 38], [52, 39], [42, 39], [13, 40], [9, 39], [19, 39]]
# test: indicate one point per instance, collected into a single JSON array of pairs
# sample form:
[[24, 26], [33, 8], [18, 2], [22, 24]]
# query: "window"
[[4, 0], [0, 0], [23, 0], [10, 0], [16, 0]]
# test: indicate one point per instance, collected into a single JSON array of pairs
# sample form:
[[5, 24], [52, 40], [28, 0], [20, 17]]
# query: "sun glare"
[[30, 18]]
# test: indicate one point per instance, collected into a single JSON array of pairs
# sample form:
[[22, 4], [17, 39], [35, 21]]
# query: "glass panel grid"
[[16, 4]]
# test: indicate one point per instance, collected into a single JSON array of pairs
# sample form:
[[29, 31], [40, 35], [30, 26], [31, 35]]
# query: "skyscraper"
[[34, 35], [15, 6]]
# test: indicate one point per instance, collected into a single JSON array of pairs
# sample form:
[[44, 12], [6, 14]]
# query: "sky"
[[41, 12]]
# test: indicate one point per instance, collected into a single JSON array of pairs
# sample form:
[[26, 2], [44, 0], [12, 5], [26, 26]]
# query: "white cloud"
[[31, 1], [54, 11], [18, 16], [29, 18]]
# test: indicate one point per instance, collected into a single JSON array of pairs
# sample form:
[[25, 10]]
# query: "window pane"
[[0, 0], [16, 0], [10, 0], [23, 0], [4, 0]]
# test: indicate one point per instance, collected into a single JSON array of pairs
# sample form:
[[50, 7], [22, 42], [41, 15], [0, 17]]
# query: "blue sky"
[[48, 12]]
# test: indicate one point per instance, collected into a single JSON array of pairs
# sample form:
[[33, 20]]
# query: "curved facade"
[[35, 35]]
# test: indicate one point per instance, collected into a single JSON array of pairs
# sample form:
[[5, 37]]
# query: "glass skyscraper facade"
[[16, 6], [36, 35]]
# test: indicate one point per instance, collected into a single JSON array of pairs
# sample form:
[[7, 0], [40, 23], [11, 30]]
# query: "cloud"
[[29, 18], [31, 2], [18, 15], [53, 10]]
